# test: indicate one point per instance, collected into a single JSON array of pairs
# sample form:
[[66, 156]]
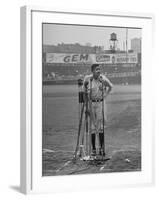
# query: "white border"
[[25, 107], [31, 144]]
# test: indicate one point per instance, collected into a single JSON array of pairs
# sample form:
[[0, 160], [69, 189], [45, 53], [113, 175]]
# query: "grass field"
[[60, 126]]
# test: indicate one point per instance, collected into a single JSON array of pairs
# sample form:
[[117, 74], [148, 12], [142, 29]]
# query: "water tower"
[[113, 42]]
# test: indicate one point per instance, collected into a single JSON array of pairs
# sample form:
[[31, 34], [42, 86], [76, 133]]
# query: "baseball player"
[[98, 86]]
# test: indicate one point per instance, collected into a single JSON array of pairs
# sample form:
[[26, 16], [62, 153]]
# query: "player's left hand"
[[100, 87]]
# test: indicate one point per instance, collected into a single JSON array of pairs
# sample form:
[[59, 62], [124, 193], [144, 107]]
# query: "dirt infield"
[[122, 132]]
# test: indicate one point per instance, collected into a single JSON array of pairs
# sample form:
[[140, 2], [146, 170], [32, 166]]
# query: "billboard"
[[68, 58], [91, 58], [126, 58]]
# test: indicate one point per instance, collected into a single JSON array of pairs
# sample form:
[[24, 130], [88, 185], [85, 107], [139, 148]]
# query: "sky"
[[54, 34]]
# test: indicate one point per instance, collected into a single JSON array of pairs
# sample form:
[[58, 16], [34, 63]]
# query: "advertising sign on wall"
[[91, 58]]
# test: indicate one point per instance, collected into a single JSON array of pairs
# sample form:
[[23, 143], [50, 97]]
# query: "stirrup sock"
[[93, 140], [101, 139]]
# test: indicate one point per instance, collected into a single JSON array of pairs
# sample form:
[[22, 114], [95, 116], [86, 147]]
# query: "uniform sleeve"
[[86, 79]]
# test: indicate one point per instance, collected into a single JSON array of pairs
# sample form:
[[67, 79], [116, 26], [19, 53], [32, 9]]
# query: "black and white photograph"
[[91, 99]]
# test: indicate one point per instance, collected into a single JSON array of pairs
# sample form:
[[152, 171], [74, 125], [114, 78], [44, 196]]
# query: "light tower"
[[113, 42]]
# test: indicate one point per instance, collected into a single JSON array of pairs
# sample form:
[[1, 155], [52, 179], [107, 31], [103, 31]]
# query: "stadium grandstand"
[[124, 70]]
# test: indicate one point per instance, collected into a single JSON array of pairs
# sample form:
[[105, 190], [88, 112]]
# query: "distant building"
[[136, 45], [88, 44]]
